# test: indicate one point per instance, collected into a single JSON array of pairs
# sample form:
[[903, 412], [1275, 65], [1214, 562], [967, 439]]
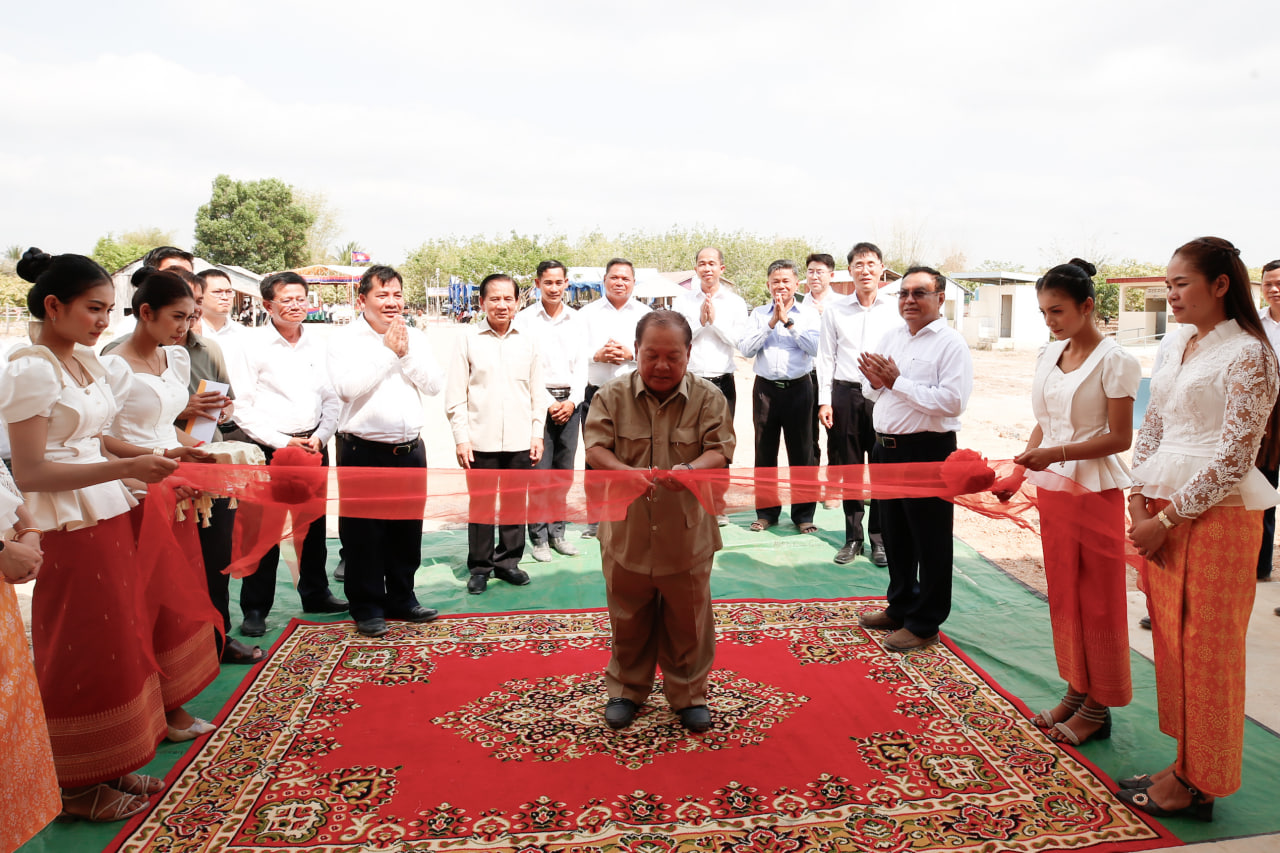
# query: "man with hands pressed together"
[[496, 400], [657, 562], [920, 379], [783, 341], [380, 369]]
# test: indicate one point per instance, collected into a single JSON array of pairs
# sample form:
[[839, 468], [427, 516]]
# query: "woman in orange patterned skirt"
[[28, 786], [1197, 510], [1083, 401], [91, 624]]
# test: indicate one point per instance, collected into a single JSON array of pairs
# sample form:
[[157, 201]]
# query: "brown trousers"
[[660, 621]]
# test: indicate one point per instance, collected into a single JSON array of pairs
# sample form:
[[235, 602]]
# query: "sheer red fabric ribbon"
[[278, 501]]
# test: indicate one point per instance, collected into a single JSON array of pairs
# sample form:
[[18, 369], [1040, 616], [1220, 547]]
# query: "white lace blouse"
[[1072, 407], [1200, 438], [35, 383], [147, 413]]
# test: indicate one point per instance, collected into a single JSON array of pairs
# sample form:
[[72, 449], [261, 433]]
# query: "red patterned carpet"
[[486, 733]]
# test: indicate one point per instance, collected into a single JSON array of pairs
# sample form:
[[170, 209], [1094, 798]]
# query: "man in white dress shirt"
[[611, 334], [718, 316], [380, 369], [561, 341], [783, 341], [496, 400], [286, 400], [819, 268], [850, 328], [921, 380], [1270, 315]]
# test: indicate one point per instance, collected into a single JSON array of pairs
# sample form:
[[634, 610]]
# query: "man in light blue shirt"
[[783, 340]]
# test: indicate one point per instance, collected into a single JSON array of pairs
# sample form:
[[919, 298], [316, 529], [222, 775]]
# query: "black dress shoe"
[[696, 718], [375, 627], [878, 556], [848, 552], [418, 613], [254, 624], [619, 712], [329, 604], [340, 573], [477, 584], [515, 577]]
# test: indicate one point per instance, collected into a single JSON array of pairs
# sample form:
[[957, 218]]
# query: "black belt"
[[783, 383], [845, 383], [306, 433], [558, 392], [912, 439], [396, 449]]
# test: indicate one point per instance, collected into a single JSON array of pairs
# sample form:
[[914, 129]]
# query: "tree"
[[258, 225], [115, 252], [1107, 296], [342, 254], [324, 228]]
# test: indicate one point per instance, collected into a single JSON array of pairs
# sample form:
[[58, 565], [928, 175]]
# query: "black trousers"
[[559, 447], [482, 557], [917, 539], [849, 442], [215, 548], [817, 427], [258, 591], [382, 554], [1268, 528], [782, 413], [725, 383]]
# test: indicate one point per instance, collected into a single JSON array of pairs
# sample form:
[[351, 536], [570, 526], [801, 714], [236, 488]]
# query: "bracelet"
[[1064, 454], [25, 530], [687, 465], [1164, 519], [157, 451]]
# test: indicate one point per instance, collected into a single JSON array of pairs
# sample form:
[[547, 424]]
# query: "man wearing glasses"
[[849, 329], [285, 400], [921, 379]]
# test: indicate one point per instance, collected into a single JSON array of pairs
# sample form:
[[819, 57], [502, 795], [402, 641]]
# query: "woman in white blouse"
[[164, 309], [94, 662], [1197, 506], [1082, 397]]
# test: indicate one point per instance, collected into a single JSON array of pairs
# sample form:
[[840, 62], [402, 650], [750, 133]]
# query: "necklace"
[[82, 379]]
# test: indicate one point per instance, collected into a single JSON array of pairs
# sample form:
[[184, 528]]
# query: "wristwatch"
[[789, 323]]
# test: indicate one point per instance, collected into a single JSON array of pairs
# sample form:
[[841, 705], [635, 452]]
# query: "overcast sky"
[[1022, 131]]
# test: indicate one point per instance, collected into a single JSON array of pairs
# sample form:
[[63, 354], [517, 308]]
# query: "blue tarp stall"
[[460, 295]]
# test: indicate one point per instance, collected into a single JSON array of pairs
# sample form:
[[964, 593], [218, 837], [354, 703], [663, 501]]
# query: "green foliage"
[[998, 266], [14, 252], [324, 226], [254, 224], [746, 256], [1107, 299], [342, 254], [115, 252], [13, 290]]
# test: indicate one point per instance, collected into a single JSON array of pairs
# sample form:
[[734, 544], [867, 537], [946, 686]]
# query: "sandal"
[[237, 652], [1062, 733], [191, 732], [808, 527], [1200, 808], [116, 806], [1137, 783], [761, 524], [1071, 701], [137, 784]]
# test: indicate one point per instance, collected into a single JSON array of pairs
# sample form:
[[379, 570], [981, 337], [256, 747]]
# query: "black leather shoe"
[[1145, 622], [340, 573], [417, 614], [878, 556], [329, 604], [696, 718], [515, 577], [375, 627], [847, 554], [619, 712], [254, 624], [477, 584]]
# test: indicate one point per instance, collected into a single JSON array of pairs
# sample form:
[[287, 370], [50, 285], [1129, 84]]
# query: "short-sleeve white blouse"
[[33, 383], [147, 414], [1072, 407]]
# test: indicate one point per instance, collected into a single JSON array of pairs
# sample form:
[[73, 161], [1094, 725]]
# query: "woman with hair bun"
[[1082, 396], [1197, 507], [95, 662], [164, 310]]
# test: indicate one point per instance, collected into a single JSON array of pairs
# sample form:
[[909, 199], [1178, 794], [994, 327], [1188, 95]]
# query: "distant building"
[[1004, 312]]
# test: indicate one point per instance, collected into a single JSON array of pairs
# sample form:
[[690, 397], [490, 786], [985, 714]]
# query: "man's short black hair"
[[279, 279], [161, 253], [381, 274], [615, 262], [551, 264], [665, 319], [866, 248], [1269, 266], [939, 280], [497, 276], [783, 265], [824, 259]]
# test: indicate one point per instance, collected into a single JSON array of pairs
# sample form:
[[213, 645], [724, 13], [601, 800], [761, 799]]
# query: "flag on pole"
[[359, 257]]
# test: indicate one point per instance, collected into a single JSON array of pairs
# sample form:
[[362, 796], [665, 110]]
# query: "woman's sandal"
[[138, 784], [237, 652], [808, 527], [1062, 733], [117, 806], [1071, 701], [760, 525], [1137, 783], [197, 728], [1200, 809]]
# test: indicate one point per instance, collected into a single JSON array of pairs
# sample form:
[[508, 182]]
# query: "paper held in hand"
[[203, 428]]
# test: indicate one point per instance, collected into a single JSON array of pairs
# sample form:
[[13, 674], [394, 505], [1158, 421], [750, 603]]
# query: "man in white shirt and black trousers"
[[380, 369], [286, 400], [562, 342], [611, 335], [921, 378]]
